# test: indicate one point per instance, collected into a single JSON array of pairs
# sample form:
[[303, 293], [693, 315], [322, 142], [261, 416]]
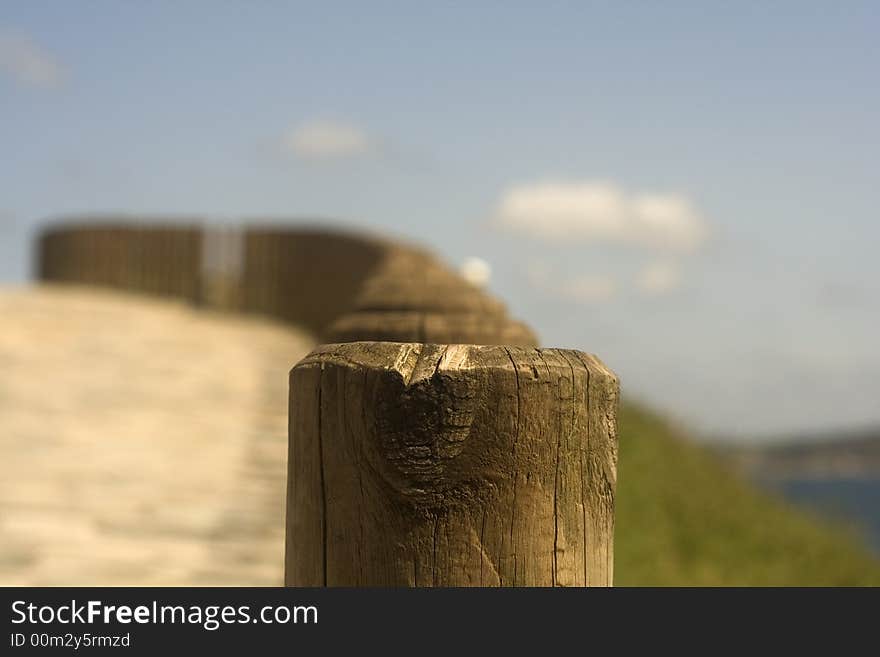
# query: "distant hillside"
[[848, 454], [684, 519]]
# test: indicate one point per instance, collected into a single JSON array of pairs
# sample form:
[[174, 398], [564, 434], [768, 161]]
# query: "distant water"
[[850, 500]]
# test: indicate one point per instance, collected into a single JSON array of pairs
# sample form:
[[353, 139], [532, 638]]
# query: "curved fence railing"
[[162, 260], [340, 285]]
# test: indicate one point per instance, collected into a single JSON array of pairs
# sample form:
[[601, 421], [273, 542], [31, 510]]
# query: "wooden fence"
[[162, 260], [431, 442], [341, 286]]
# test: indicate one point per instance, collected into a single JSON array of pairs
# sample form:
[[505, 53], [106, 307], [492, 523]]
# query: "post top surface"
[[415, 361]]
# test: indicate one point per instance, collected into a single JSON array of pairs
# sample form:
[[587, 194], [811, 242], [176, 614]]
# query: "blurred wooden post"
[[431, 327], [459, 465]]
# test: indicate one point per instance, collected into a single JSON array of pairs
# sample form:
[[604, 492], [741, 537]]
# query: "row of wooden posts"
[[432, 443]]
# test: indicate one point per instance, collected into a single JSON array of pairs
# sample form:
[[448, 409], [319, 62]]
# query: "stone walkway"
[[141, 442]]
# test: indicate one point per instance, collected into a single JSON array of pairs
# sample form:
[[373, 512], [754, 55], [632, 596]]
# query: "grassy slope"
[[682, 519]]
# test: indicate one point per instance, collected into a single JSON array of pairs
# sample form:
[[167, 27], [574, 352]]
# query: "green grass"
[[684, 520]]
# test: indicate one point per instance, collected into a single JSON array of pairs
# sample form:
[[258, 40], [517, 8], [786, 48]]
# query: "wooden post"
[[458, 465], [441, 292], [430, 327]]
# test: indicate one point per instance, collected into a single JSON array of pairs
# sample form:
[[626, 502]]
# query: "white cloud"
[[599, 211], [659, 277], [28, 63], [476, 271], [325, 140]]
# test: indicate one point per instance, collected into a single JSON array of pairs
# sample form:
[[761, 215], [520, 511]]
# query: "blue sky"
[[686, 189]]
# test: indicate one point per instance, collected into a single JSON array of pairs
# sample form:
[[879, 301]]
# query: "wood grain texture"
[[450, 465]]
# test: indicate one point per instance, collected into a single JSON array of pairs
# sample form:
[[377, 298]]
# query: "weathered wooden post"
[[458, 465]]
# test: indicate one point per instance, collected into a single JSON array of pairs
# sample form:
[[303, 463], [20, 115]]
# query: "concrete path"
[[141, 442]]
